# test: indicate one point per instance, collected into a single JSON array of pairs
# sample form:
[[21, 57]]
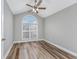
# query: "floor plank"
[[37, 50]]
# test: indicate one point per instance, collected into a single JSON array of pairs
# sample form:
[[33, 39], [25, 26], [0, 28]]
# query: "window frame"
[[29, 29]]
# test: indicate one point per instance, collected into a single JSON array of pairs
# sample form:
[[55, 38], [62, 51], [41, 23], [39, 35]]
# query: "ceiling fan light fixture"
[[36, 7], [34, 10]]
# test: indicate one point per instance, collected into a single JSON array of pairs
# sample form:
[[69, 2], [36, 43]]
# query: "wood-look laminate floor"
[[37, 50]]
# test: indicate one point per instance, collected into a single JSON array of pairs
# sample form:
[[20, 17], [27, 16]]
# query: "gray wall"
[[18, 26], [8, 27], [61, 28]]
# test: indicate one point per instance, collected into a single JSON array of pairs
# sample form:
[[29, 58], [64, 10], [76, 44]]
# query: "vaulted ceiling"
[[52, 6]]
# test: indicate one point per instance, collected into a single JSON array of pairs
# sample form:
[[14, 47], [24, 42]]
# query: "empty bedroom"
[[39, 29]]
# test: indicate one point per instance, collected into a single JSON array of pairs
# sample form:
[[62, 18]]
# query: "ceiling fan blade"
[[35, 1], [29, 5], [40, 1], [41, 8], [36, 11]]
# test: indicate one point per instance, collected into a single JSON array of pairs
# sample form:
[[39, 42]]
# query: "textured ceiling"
[[53, 6]]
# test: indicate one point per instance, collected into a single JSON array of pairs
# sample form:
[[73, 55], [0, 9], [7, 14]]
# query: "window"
[[29, 27]]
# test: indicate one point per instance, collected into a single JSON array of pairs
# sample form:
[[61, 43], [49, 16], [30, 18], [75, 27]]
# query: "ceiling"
[[53, 6]]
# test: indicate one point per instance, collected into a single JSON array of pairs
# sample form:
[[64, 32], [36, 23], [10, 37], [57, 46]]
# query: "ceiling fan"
[[36, 6]]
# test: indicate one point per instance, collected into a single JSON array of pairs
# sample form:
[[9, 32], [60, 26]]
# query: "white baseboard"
[[66, 50], [8, 51], [27, 41]]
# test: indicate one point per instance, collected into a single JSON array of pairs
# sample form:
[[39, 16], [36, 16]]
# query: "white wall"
[[61, 28], [8, 28], [18, 26]]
